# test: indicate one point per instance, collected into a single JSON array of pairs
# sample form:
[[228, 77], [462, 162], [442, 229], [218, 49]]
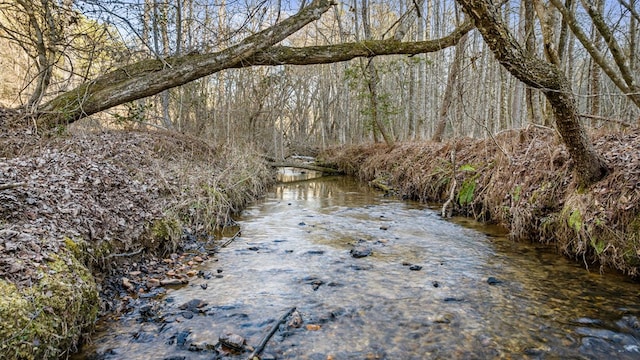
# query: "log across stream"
[[424, 288]]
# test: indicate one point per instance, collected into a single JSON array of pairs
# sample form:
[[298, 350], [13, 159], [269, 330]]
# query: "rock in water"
[[296, 320], [360, 251], [232, 341], [193, 305]]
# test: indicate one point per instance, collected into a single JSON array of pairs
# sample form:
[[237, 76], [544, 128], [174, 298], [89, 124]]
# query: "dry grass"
[[522, 180]]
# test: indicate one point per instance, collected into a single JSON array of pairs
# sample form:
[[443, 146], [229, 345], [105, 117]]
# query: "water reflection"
[[295, 252]]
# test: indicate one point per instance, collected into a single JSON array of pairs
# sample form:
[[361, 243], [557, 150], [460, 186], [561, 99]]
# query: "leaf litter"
[[122, 204]]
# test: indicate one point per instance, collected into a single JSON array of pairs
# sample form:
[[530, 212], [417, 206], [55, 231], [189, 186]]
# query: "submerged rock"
[[232, 341], [181, 337], [360, 251], [361, 267], [296, 320], [444, 319], [193, 305]]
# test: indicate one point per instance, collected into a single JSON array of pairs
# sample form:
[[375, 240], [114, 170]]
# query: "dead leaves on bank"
[[101, 194]]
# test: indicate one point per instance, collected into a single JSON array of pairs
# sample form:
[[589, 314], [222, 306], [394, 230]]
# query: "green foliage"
[[467, 167], [631, 251], [575, 220], [136, 112], [598, 246], [358, 82], [60, 130], [517, 191], [465, 195]]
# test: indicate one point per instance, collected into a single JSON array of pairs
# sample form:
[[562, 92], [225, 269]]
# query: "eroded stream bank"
[[429, 289], [523, 180]]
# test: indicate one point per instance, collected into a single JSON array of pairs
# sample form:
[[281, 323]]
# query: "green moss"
[[575, 220], [631, 252], [165, 234], [47, 320], [78, 248]]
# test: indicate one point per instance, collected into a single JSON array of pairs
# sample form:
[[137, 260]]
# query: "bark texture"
[[589, 165]]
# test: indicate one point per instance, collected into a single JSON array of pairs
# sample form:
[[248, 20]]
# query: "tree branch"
[[11, 186], [596, 55], [150, 77]]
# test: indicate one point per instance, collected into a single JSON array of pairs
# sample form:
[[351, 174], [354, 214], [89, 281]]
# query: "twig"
[[453, 184], [125, 254], [602, 118], [255, 354], [237, 235], [11, 186]]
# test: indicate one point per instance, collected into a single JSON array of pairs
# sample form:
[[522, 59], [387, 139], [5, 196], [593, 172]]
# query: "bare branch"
[[11, 185]]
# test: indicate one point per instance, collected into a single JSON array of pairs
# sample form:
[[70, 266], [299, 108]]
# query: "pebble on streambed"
[[360, 251], [412, 267]]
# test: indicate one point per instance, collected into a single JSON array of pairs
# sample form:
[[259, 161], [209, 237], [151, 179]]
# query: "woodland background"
[[51, 46], [544, 140]]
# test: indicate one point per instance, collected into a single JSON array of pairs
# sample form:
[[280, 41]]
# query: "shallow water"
[[295, 252]]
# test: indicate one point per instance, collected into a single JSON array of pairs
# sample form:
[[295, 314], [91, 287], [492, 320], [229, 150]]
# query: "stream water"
[[431, 288]]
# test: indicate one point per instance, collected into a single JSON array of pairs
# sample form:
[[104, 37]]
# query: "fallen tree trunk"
[[321, 169]]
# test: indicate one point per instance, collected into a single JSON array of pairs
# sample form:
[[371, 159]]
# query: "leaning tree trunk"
[[150, 77], [589, 165]]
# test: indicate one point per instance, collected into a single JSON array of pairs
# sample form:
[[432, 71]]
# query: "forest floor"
[[523, 180], [86, 218]]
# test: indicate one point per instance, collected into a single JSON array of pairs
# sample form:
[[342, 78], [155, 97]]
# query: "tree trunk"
[[594, 70], [150, 77], [533, 111], [448, 91], [589, 165], [622, 77], [372, 81], [45, 49]]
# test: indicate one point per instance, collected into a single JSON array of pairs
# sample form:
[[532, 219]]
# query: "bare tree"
[[590, 166], [621, 75]]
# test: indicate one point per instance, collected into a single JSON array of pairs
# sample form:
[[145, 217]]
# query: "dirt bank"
[[77, 209], [523, 180]]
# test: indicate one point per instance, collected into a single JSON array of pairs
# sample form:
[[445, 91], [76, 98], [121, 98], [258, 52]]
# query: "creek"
[[430, 288]]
